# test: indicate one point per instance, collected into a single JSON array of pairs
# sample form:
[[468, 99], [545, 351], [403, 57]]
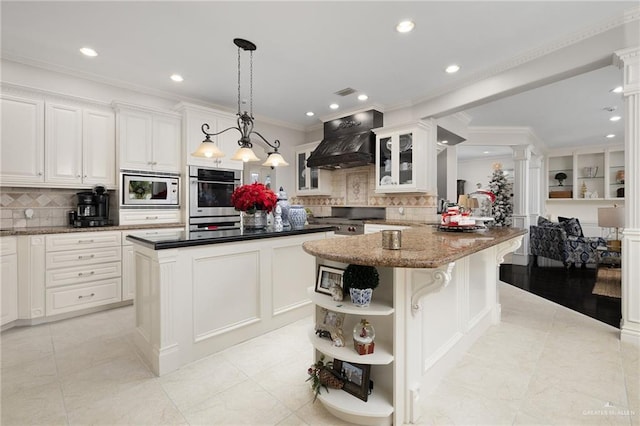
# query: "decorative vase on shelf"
[[283, 202], [297, 216], [361, 297], [254, 221]]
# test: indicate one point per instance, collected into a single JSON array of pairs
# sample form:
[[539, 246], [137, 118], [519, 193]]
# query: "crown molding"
[[352, 111], [49, 95], [506, 135]]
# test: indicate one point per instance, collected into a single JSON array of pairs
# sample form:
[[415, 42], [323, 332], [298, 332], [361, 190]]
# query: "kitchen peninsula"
[[437, 295], [198, 295]]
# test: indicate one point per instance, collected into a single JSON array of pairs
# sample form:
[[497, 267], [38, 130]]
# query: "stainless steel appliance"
[[210, 208], [92, 210], [349, 220], [146, 189]]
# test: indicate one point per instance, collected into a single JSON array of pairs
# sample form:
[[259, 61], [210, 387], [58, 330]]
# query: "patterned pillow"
[[571, 226], [542, 221]]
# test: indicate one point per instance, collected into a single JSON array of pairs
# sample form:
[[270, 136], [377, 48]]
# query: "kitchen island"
[[198, 295], [437, 295]]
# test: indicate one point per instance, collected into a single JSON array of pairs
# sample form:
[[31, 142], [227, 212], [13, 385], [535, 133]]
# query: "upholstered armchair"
[[563, 242]]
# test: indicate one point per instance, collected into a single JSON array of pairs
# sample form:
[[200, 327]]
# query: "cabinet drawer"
[[72, 298], [146, 217], [83, 274], [78, 240], [89, 256]]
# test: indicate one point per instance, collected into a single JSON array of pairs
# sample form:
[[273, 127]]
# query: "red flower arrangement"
[[252, 197]]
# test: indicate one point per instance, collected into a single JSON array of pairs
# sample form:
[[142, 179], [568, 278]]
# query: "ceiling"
[[309, 50]]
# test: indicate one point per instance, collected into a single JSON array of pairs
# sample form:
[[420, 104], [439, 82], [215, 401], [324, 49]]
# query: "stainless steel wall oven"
[[210, 207]]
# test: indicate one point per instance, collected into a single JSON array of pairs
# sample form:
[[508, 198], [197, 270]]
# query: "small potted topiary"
[[360, 281]]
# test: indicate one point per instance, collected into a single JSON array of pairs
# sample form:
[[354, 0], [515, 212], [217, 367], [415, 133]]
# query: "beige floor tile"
[[243, 404], [29, 375], [196, 382], [92, 384], [287, 381], [315, 414], [293, 420], [23, 347], [90, 353], [143, 404], [41, 405]]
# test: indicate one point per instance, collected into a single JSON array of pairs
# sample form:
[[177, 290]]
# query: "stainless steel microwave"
[[150, 189]]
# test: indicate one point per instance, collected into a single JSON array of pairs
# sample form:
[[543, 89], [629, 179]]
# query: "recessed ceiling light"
[[87, 51], [334, 106], [616, 90], [405, 26], [610, 136], [485, 152], [452, 68], [362, 97], [309, 113], [177, 78], [444, 142], [615, 118]]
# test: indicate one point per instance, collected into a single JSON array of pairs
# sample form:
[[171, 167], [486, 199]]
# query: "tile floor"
[[544, 364]]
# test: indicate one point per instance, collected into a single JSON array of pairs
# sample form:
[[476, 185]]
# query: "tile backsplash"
[[355, 187], [50, 206]]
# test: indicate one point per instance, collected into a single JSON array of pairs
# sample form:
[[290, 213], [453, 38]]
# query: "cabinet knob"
[[39, 173]]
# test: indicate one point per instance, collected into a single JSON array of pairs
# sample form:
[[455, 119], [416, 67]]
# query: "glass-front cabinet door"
[[405, 158], [395, 162], [310, 180]]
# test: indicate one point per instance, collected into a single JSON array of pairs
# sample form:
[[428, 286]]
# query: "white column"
[[535, 188], [629, 60], [521, 195]]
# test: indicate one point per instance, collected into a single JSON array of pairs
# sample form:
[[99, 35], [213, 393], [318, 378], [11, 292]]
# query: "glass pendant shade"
[[274, 160], [245, 155], [208, 149]]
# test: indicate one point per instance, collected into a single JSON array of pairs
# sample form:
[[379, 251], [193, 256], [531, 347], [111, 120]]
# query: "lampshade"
[[274, 160], [208, 149], [611, 217], [245, 154], [468, 202]]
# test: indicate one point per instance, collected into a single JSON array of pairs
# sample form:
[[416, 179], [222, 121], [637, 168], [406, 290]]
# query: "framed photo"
[[330, 325], [327, 278], [355, 376]]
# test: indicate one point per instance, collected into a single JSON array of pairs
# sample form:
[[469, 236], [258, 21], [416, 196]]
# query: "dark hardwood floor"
[[571, 288]]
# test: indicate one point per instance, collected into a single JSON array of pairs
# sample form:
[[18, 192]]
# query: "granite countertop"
[[399, 222], [422, 247], [67, 229], [191, 239]]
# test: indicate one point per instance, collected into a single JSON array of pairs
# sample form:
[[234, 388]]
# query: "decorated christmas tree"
[[502, 208]]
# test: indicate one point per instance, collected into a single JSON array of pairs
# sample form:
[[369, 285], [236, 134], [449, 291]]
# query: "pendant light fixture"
[[208, 148]]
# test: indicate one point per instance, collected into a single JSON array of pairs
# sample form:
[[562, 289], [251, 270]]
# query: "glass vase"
[[252, 221]]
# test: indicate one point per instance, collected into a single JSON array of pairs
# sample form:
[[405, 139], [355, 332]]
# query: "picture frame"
[[356, 377], [330, 325], [327, 278]]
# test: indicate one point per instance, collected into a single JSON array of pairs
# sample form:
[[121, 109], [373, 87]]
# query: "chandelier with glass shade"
[[208, 149]]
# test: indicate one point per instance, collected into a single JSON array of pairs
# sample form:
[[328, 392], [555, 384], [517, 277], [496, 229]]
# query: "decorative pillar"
[[629, 61], [521, 193], [535, 188]]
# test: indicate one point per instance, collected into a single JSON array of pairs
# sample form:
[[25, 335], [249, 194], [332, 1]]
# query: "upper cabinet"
[[406, 158], [194, 116], [310, 180], [588, 175], [52, 144], [149, 140], [22, 156]]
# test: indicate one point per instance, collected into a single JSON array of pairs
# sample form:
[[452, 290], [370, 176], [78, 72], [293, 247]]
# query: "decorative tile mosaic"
[[50, 206]]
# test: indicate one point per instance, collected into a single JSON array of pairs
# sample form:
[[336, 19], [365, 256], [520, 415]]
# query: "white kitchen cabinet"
[[149, 216], [22, 156], [83, 270], [128, 256], [63, 149], [310, 180], [406, 158], [149, 140], [8, 280], [99, 148], [194, 116]]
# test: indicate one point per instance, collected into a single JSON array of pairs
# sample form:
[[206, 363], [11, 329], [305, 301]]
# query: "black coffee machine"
[[92, 210]]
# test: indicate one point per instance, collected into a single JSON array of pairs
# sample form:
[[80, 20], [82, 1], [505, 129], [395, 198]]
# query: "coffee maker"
[[92, 210]]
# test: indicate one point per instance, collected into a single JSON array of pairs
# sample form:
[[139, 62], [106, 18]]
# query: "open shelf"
[[381, 355], [375, 308], [346, 406]]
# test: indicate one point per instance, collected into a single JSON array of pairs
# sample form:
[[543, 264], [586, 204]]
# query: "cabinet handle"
[[151, 217], [86, 257], [39, 173], [80, 274], [77, 176], [90, 295], [85, 241]]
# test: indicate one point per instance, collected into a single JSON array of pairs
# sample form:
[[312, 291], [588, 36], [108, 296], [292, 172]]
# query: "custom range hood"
[[348, 142]]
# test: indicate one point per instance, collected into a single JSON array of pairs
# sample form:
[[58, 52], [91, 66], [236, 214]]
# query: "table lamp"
[[612, 217], [469, 203]]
